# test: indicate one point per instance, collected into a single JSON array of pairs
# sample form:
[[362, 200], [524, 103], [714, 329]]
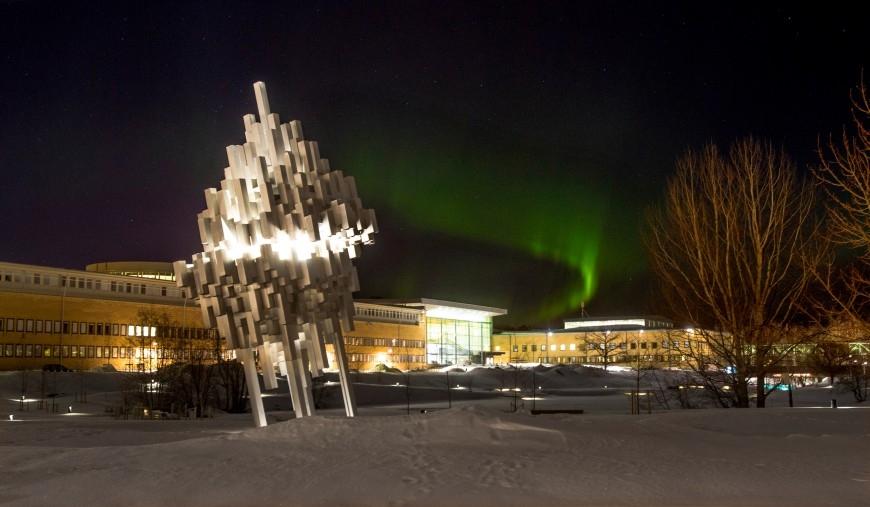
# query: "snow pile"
[[479, 452], [466, 456]]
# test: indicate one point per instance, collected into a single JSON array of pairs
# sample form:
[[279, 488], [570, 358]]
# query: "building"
[[630, 341], [131, 316], [87, 319], [455, 333], [141, 269]]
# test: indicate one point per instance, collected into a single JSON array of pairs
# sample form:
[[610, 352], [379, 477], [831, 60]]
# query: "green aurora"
[[537, 205]]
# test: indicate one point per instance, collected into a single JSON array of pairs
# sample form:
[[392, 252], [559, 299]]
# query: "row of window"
[[43, 351], [658, 358], [385, 358], [15, 325], [84, 282], [383, 342], [593, 346], [381, 313]]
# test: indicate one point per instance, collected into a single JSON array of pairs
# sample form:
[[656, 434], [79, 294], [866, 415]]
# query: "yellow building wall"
[[397, 345], [661, 348], [28, 308]]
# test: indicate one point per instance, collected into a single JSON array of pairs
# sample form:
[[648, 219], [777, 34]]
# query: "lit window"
[[573, 346], [562, 347]]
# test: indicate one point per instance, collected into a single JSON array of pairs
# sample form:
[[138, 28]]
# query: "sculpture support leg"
[[268, 366], [344, 377], [304, 378], [292, 381], [246, 356]]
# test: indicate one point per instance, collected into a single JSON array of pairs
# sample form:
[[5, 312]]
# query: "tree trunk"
[[741, 394], [759, 391]]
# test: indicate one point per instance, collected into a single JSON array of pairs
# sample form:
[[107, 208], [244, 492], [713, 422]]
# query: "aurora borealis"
[[523, 210], [509, 149]]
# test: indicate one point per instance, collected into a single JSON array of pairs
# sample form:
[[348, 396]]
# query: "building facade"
[[83, 320], [643, 341], [454, 333], [131, 316]]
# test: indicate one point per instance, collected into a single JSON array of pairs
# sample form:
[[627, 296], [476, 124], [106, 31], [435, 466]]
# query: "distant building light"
[[573, 324]]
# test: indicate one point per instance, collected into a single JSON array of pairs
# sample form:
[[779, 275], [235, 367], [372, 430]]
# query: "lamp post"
[[637, 374], [60, 339], [547, 346], [864, 366]]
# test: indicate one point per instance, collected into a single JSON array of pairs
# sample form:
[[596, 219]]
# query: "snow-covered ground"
[[478, 452]]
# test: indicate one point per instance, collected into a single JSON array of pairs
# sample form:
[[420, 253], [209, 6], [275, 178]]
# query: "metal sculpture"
[[275, 275]]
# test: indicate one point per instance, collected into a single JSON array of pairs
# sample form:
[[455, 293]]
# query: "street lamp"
[[547, 346], [864, 367]]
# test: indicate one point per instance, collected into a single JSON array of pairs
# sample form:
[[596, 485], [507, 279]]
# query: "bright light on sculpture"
[[275, 275]]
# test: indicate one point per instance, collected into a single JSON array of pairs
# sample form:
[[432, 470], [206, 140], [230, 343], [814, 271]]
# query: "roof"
[[619, 322], [440, 308]]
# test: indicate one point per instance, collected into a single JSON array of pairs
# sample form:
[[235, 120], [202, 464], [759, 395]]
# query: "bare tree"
[[844, 175], [606, 343], [830, 358], [732, 244]]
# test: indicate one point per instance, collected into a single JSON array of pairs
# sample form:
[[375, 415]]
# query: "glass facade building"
[[455, 333], [456, 341]]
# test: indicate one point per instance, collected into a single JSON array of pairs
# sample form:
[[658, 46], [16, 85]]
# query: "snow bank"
[[466, 456]]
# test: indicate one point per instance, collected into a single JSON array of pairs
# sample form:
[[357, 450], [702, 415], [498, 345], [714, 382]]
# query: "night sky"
[[509, 150]]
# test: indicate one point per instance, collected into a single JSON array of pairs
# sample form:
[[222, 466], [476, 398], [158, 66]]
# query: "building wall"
[[651, 347], [85, 319], [85, 332], [108, 331], [394, 344]]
